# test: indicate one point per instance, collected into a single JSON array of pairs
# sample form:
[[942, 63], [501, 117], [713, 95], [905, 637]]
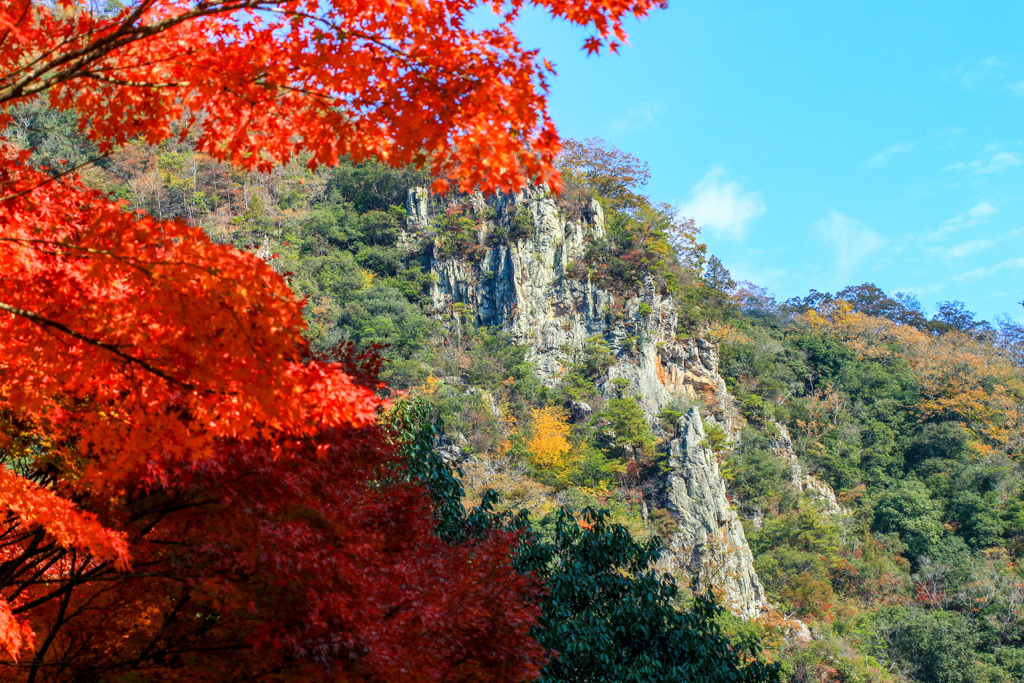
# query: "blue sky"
[[824, 144]]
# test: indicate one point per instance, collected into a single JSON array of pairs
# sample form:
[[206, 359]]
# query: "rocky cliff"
[[782, 445], [531, 288], [527, 288], [710, 545]]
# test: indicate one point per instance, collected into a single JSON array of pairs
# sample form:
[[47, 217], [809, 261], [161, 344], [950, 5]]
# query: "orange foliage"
[[101, 339], [263, 80], [961, 377], [35, 506], [15, 633], [811, 596]]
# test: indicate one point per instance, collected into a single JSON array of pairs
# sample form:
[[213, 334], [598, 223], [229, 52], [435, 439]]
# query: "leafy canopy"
[[404, 82]]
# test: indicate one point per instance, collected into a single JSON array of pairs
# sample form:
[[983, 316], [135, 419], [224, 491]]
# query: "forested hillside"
[[870, 452]]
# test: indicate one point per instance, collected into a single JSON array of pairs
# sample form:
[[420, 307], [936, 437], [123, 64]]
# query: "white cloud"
[[997, 162], [989, 270], [1017, 87], [964, 219], [883, 157], [967, 248], [852, 240], [986, 72], [636, 118], [722, 206], [950, 136], [980, 210]]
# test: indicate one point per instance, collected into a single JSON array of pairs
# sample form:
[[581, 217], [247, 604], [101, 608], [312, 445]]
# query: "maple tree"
[[357, 576], [174, 465]]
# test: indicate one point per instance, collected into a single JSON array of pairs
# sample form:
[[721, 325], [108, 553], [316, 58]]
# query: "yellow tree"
[[549, 444]]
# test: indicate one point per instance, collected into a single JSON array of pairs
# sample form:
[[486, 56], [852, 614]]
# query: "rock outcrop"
[[709, 545], [578, 411], [538, 289], [417, 208], [782, 445]]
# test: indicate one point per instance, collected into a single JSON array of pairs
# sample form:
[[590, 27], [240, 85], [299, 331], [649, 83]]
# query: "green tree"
[[609, 615], [907, 509], [953, 315], [794, 554], [938, 446], [630, 425], [934, 646]]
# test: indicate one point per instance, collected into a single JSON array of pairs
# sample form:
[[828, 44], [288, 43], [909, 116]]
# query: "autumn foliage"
[[549, 442], [183, 489], [961, 378], [251, 567], [405, 82], [184, 496]]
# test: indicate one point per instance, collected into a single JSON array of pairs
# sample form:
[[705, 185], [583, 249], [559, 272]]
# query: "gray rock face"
[[538, 290], [417, 207], [578, 411], [523, 287], [264, 251], [448, 450], [709, 545], [782, 445]]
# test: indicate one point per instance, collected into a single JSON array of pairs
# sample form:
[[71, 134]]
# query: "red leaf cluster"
[[405, 82], [299, 567]]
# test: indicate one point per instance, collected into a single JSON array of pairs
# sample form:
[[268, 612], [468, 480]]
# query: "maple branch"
[[47, 323], [119, 576], [58, 622], [414, 63], [130, 262], [57, 176], [131, 84], [68, 586], [345, 32], [10, 568], [125, 34], [164, 512], [41, 568], [70, 36]]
